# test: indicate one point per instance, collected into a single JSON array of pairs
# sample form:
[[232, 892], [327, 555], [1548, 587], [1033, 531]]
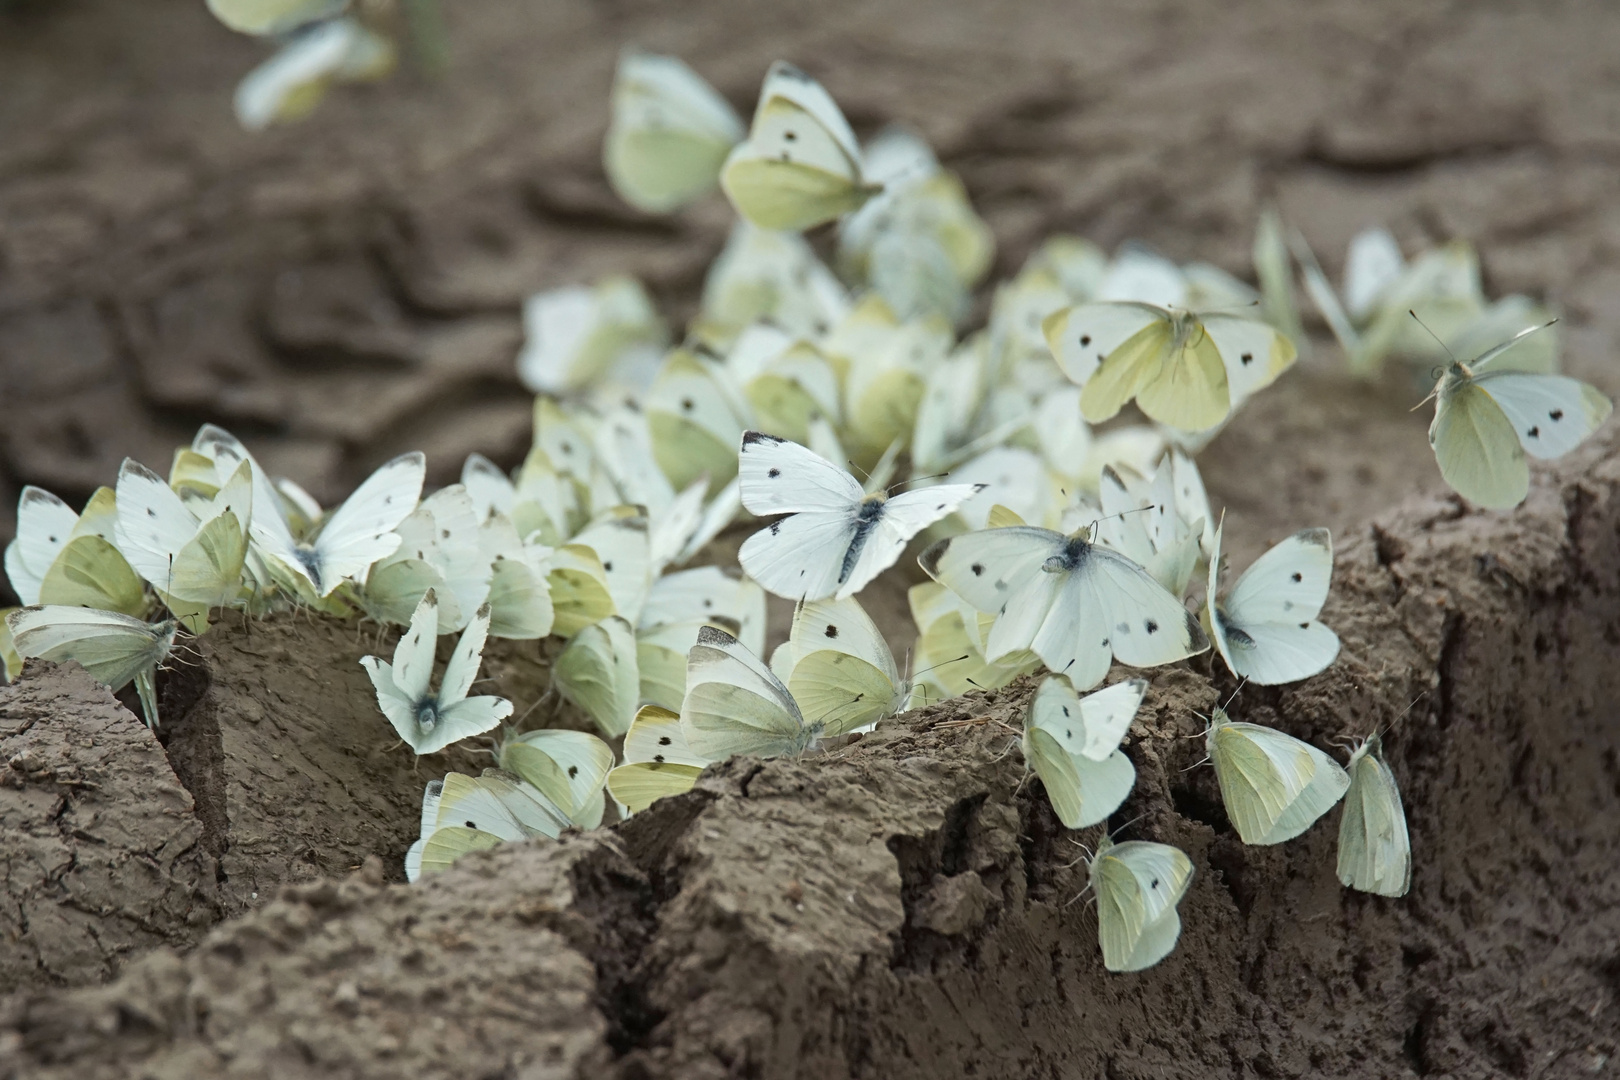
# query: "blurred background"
[[344, 288]]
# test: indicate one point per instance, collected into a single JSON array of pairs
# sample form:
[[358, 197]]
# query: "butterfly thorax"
[[1073, 555], [427, 715], [1185, 329], [1217, 720], [867, 514]]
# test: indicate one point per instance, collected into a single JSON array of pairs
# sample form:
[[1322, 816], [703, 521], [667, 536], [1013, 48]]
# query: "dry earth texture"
[[225, 903]]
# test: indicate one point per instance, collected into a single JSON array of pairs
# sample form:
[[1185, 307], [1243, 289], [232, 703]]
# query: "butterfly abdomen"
[[866, 519]]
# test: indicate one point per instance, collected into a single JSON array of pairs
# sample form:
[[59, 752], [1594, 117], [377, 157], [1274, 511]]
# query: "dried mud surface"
[[906, 906], [227, 903]]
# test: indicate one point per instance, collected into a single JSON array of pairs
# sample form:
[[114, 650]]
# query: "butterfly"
[[1266, 628], [670, 133], [677, 607], [800, 165], [115, 649], [658, 761], [292, 82], [1138, 885], [194, 560], [838, 667], [1073, 603], [60, 557], [1184, 369], [766, 276], [430, 722], [838, 538], [567, 767], [273, 17], [1274, 786], [463, 813], [949, 654], [352, 537], [1158, 523], [597, 671], [1375, 852], [734, 704], [1072, 743], [1486, 422], [579, 335]]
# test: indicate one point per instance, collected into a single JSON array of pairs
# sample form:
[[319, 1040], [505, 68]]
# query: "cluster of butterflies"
[[1047, 543], [319, 43]]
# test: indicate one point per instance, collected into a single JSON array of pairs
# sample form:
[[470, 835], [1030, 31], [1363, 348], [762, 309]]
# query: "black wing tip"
[[929, 559], [749, 438], [1318, 537], [713, 635]]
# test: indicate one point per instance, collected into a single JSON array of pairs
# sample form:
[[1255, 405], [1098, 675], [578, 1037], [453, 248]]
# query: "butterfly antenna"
[[941, 664], [1241, 684], [976, 685], [1201, 761], [1121, 828], [1434, 335], [1387, 728], [918, 480]]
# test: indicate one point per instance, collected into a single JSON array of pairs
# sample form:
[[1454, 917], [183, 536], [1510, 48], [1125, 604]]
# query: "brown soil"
[[346, 289]]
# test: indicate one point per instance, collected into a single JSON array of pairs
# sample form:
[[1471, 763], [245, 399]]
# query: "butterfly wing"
[[1147, 626], [902, 518], [113, 648], [44, 526], [621, 543], [735, 705], [598, 672], [800, 164], [986, 567], [670, 133], [90, 572], [1083, 792], [1253, 353], [1084, 336], [1552, 414], [361, 531], [1288, 584], [153, 524], [1188, 389], [782, 477], [535, 814], [1138, 886], [1375, 851], [413, 654], [1328, 784], [1261, 772], [802, 556], [400, 710], [466, 718], [1475, 443]]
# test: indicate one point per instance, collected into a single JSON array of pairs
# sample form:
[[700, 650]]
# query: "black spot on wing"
[[1297, 576], [831, 631], [470, 824], [664, 740], [978, 569], [608, 567], [1150, 626], [1085, 339], [751, 437], [573, 771], [1534, 432], [776, 527], [1247, 358], [773, 473], [1556, 415]]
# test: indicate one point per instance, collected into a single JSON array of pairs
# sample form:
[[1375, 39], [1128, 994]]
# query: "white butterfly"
[[353, 536], [1375, 852], [115, 649], [579, 335], [776, 277], [60, 557], [838, 667], [597, 671], [1486, 422], [568, 767], [290, 82], [462, 813], [190, 557], [838, 538], [670, 133], [1266, 628], [1073, 603], [1141, 520], [1138, 885], [679, 605], [735, 705], [1073, 745], [658, 761], [1184, 369], [430, 722], [1274, 785], [800, 165]]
